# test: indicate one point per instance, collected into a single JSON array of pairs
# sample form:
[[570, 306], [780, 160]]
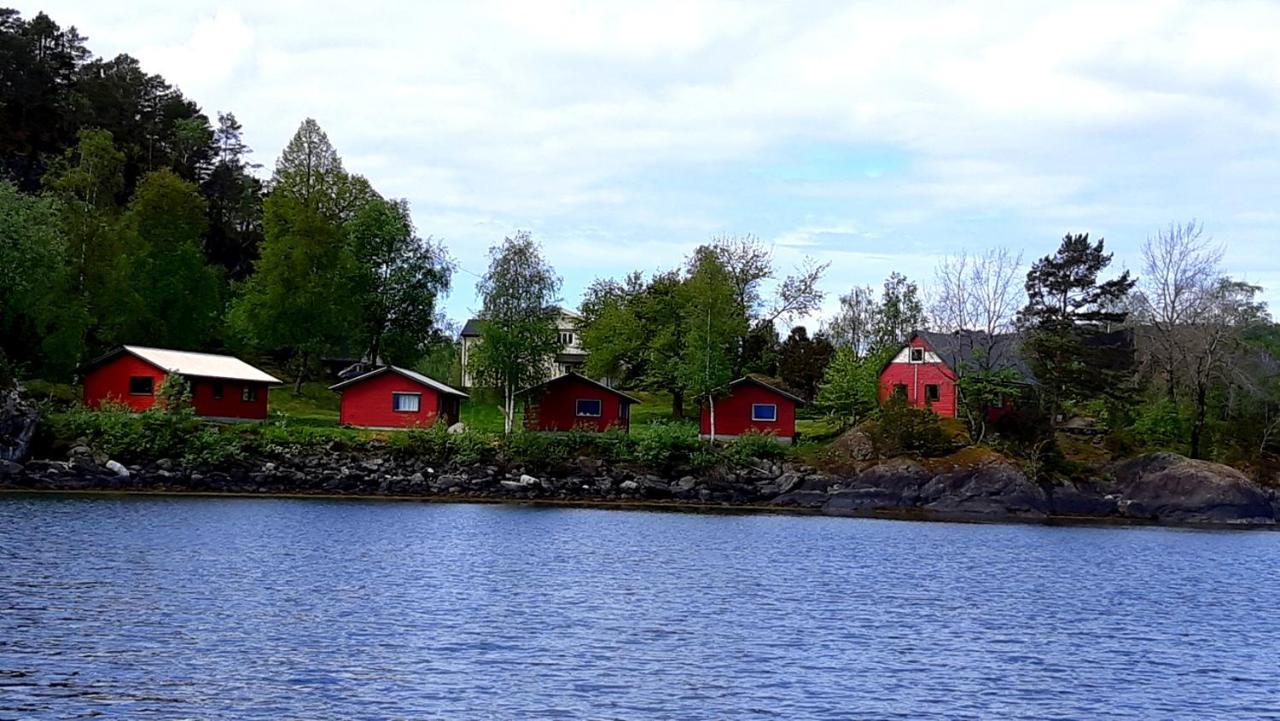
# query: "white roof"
[[203, 365], [411, 375]]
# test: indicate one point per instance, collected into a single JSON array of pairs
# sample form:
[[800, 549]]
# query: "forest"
[[128, 214]]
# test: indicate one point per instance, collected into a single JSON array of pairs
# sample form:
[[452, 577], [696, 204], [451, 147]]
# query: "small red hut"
[[393, 397], [573, 401], [756, 406], [222, 386]]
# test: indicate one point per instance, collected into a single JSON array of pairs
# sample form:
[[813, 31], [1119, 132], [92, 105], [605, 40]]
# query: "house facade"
[[575, 402], [752, 405], [569, 359], [222, 387], [394, 397], [924, 372]]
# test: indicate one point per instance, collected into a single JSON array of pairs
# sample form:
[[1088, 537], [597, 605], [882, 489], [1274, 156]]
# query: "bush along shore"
[[660, 465]]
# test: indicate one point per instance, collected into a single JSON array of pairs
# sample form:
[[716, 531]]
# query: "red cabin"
[[924, 372], [575, 402], [392, 397], [221, 386], [753, 405]]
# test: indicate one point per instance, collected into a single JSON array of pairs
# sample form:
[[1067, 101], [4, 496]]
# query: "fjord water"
[[166, 608]]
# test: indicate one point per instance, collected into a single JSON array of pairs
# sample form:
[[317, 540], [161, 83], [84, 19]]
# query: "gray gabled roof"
[[579, 376], [411, 375], [770, 387], [978, 350], [471, 328]]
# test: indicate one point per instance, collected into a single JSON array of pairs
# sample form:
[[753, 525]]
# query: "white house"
[[571, 357]]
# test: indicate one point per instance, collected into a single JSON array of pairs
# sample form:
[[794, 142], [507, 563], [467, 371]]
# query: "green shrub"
[[904, 429], [754, 445], [1162, 426], [664, 446], [436, 445], [541, 451], [212, 446]]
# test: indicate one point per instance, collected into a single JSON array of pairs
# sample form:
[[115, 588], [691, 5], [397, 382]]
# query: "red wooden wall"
[[915, 376], [555, 409], [733, 413], [368, 403], [111, 381]]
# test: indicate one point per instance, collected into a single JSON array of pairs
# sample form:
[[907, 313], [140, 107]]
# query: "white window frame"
[[577, 407], [912, 355], [417, 397], [756, 417]]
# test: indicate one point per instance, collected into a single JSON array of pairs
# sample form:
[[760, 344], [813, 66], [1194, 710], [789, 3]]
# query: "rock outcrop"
[[18, 417], [1161, 488], [1167, 487]]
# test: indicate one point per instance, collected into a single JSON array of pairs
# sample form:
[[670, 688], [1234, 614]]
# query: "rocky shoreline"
[[1158, 488]]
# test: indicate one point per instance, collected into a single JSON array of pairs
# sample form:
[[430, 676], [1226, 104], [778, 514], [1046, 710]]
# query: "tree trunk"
[[677, 404], [302, 374], [711, 403], [1197, 427], [508, 408]]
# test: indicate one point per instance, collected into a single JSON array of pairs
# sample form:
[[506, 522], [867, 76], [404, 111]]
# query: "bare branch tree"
[[798, 295], [855, 323]]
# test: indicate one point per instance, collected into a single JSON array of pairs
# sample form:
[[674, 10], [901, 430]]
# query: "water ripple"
[[166, 608]]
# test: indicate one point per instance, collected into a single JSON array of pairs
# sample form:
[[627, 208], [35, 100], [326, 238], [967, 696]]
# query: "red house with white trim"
[[394, 397], [222, 386], [575, 402], [752, 405], [925, 371]]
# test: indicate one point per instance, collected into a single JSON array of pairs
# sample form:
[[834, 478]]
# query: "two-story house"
[[571, 357]]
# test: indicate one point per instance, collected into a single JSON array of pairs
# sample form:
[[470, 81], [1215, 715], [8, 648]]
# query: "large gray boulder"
[[1170, 488], [18, 416], [995, 488]]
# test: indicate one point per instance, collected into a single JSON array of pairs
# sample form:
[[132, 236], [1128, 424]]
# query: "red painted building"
[[392, 397], [221, 386], [924, 372], [753, 405], [575, 402]]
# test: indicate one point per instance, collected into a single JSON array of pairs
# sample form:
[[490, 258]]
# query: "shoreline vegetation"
[[660, 466]]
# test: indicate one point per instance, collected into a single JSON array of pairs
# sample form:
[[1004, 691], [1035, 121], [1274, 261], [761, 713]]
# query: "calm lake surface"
[[188, 608]]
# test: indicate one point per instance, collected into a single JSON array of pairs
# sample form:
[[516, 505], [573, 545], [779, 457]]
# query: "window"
[[406, 402], [249, 394], [142, 385], [566, 338], [931, 394], [900, 391], [764, 412], [589, 407], [917, 355], [217, 390]]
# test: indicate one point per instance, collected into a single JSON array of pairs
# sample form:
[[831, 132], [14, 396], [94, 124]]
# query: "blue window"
[[405, 402], [764, 412], [589, 407]]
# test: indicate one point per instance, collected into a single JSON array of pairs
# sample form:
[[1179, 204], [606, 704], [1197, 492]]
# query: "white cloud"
[[625, 133]]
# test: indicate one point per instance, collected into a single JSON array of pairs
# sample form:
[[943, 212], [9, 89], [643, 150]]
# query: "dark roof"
[[979, 350], [768, 386], [471, 328], [579, 376], [411, 375]]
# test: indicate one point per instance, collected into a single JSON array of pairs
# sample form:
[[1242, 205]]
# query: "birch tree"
[[710, 333], [519, 294]]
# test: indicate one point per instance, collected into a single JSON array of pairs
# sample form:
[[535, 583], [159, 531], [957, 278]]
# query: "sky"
[[874, 136]]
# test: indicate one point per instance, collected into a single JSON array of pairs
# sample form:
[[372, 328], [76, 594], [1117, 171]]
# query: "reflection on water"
[[155, 608]]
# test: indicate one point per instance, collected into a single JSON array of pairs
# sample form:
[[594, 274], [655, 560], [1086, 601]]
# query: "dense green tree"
[[235, 203], [180, 298], [399, 278], [310, 172], [711, 335], [901, 313], [1069, 322], [849, 391], [802, 361], [519, 294], [41, 324], [100, 255]]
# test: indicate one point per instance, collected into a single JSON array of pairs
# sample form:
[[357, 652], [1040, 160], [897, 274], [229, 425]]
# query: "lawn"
[[317, 406]]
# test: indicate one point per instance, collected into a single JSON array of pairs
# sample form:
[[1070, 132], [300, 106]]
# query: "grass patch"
[[316, 406]]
